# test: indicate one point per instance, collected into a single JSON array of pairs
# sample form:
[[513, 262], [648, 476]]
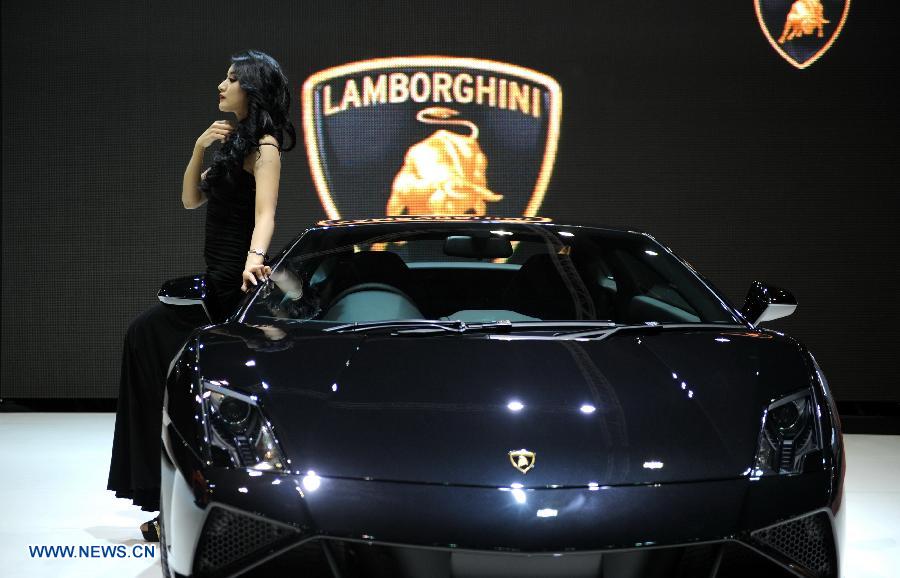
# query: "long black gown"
[[156, 335]]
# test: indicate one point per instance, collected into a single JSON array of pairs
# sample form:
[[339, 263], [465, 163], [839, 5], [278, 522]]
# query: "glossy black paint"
[[491, 519], [434, 409], [409, 436]]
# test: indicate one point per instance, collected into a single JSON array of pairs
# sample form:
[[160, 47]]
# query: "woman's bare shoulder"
[[260, 151]]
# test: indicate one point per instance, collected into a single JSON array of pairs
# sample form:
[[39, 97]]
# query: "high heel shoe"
[[150, 530]]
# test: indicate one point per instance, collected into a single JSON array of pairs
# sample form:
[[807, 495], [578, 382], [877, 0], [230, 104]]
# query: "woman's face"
[[232, 97]]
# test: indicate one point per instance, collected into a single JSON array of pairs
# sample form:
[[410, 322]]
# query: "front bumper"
[[232, 520]]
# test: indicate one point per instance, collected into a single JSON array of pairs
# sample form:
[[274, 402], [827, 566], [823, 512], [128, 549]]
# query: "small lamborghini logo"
[[804, 29], [522, 460]]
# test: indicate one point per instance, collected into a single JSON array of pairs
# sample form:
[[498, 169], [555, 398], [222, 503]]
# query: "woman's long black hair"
[[268, 103]]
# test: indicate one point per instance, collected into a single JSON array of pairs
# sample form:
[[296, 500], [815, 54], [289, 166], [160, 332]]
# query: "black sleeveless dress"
[[229, 227], [156, 335]]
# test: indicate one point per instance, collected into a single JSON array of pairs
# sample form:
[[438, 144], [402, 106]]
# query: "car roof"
[[469, 219]]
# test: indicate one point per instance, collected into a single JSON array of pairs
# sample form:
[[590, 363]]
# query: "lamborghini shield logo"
[[801, 30], [430, 135], [522, 460]]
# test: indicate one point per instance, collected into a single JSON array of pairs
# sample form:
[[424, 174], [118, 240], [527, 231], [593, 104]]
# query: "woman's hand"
[[217, 131], [252, 271]]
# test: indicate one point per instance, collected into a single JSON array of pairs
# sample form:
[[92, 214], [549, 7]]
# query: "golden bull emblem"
[[443, 174], [801, 31], [522, 460], [805, 17]]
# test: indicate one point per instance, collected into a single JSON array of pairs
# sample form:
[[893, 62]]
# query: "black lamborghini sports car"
[[478, 397]]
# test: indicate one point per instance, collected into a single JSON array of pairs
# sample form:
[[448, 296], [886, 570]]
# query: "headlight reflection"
[[788, 435], [238, 432]]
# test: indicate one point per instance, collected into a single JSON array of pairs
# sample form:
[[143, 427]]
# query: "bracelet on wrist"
[[258, 253]]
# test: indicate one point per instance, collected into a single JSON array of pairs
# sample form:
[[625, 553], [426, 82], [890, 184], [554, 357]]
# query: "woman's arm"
[[191, 195], [267, 170]]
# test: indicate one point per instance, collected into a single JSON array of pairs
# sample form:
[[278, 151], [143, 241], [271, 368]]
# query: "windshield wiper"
[[463, 327], [597, 329], [507, 326], [407, 326], [403, 324], [648, 325]]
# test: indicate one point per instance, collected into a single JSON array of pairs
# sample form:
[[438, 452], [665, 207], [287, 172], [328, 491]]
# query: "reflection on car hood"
[[634, 408]]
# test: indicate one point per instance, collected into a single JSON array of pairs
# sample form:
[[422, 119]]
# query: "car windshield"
[[482, 273]]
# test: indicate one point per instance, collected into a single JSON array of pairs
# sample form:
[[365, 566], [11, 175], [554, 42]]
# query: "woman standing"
[[240, 190]]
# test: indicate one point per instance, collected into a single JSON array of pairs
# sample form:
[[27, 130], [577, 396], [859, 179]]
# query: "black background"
[[678, 118]]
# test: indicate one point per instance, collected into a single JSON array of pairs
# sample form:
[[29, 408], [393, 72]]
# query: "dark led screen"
[[752, 158]]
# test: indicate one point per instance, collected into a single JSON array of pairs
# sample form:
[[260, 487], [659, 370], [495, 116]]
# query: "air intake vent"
[[807, 542], [229, 537]]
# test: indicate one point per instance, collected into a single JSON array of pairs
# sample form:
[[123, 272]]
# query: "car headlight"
[[238, 432], [789, 434]]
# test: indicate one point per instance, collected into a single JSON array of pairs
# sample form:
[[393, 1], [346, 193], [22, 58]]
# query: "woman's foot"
[[150, 530]]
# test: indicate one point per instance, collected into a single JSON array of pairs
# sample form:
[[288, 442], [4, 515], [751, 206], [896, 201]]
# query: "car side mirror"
[[765, 303], [190, 290]]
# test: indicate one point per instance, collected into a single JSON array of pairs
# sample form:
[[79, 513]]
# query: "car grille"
[[363, 560], [229, 538], [806, 541], [232, 542]]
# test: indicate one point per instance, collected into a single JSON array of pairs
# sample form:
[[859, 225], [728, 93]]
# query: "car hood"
[[633, 408]]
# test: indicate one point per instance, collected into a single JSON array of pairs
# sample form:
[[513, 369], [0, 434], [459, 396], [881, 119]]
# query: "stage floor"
[[54, 474]]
